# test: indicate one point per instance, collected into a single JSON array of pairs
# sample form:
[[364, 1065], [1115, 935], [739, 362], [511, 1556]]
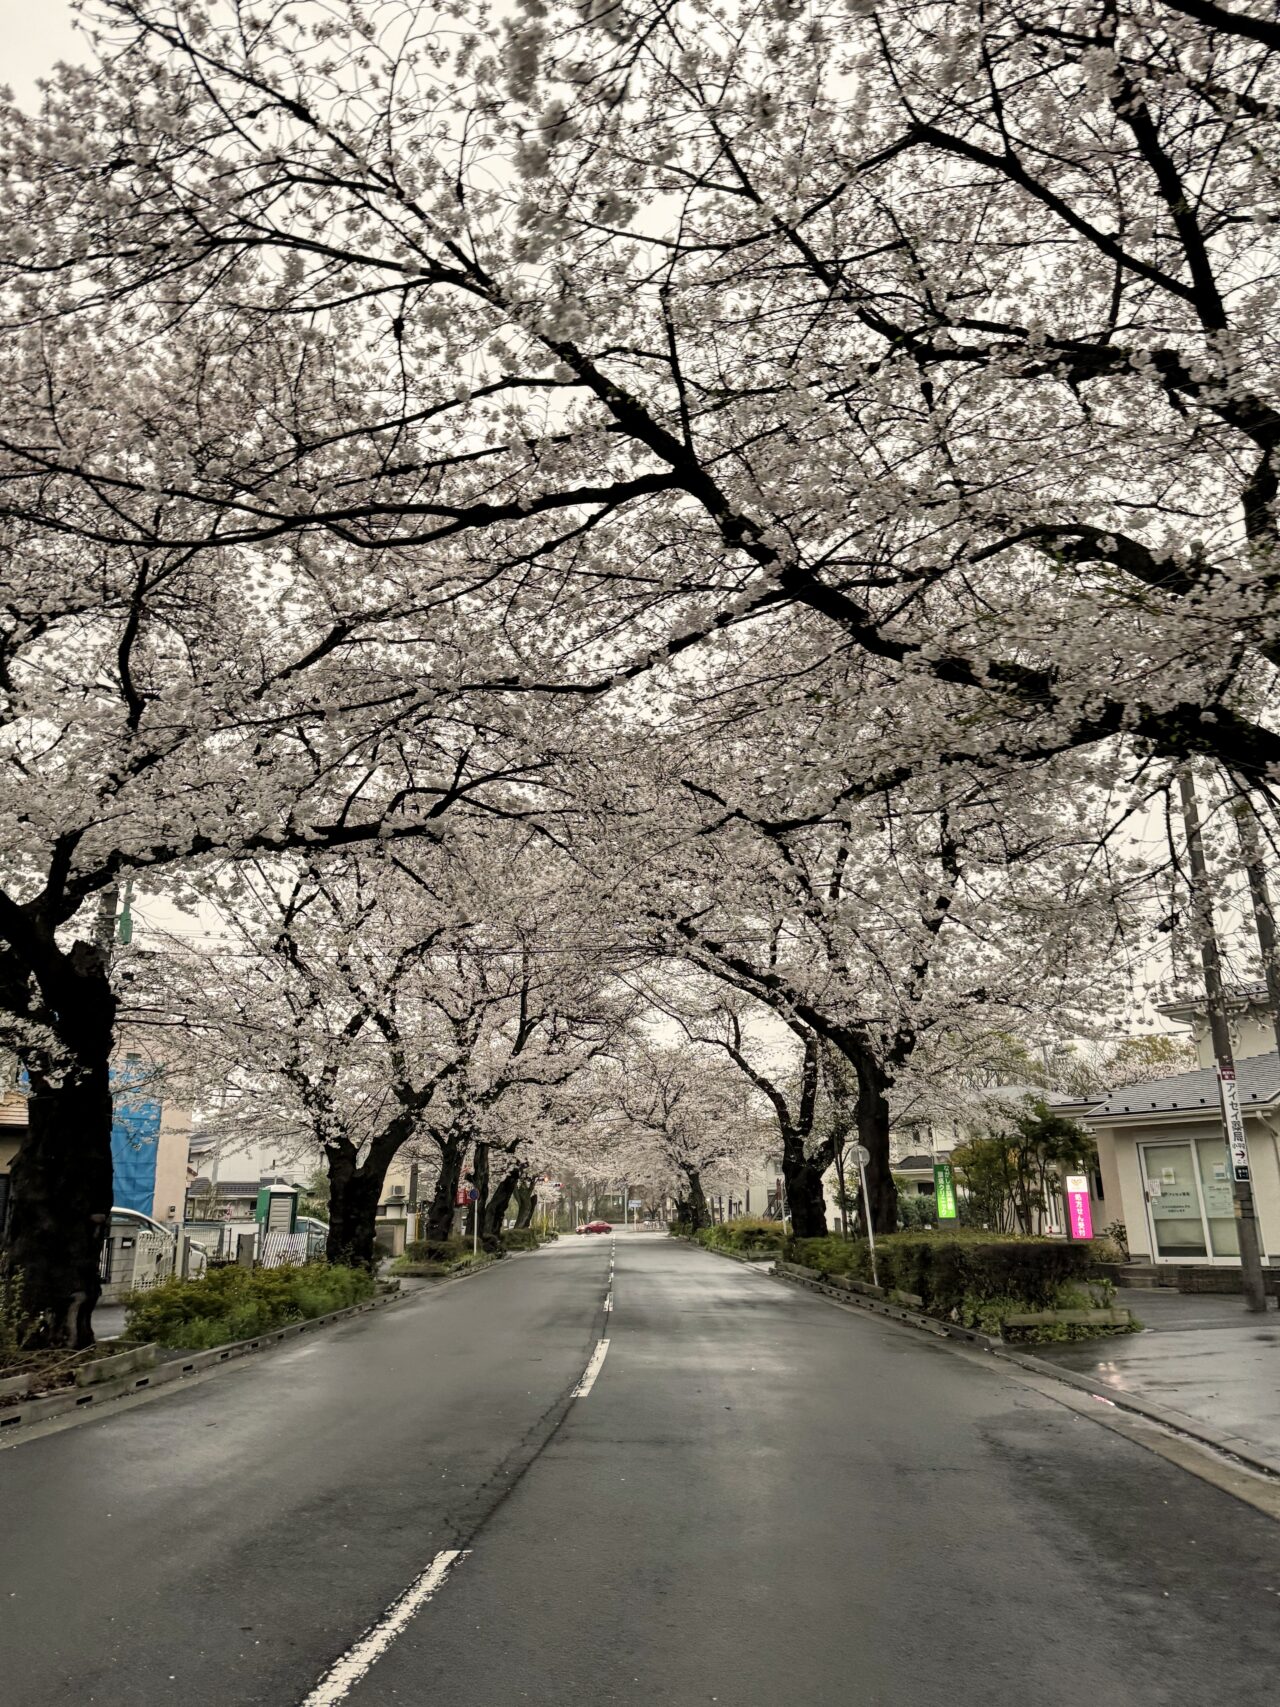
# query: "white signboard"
[[1234, 1122]]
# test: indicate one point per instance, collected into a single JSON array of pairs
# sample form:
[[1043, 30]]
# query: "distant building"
[[149, 1139]]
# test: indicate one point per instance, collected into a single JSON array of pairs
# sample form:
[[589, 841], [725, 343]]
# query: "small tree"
[[1011, 1176]]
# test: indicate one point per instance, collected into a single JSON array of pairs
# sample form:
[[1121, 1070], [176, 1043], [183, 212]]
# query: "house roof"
[[911, 1162], [1049, 1095], [1257, 1076], [239, 1187]]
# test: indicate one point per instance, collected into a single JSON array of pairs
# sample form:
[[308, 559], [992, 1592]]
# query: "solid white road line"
[[342, 1677], [584, 1386]]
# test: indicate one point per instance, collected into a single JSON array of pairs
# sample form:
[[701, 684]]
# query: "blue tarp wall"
[[135, 1139]]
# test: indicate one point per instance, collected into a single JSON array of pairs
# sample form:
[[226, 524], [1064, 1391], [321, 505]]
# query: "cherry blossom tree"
[[790, 1075], [158, 708], [716, 321], [697, 1114], [914, 368], [431, 997]]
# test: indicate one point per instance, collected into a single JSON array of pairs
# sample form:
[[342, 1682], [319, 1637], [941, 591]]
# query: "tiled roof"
[[1258, 1078]]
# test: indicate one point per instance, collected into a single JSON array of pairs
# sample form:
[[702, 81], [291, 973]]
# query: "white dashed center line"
[[584, 1386], [342, 1677]]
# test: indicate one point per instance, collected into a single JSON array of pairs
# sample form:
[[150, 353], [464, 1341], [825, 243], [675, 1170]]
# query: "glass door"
[[1215, 1194], [1173, 1199]]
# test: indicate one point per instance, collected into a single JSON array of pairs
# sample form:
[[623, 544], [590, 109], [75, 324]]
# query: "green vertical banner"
[[944, 1191]]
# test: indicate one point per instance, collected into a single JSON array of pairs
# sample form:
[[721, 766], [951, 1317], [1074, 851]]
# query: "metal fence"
[[136, 1259], [275, 1248]]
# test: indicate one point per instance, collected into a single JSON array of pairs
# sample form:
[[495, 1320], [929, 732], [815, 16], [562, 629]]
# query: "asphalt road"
[[762, 1498]]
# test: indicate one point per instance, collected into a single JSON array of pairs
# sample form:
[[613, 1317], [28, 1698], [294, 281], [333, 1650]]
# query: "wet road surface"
[[751, 1497]]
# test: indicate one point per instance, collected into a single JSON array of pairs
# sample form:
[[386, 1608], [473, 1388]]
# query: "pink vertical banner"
[[1079, 1217]]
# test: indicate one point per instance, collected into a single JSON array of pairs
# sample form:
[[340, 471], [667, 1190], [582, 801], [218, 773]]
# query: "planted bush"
[[745, 1233], [236, 1303], [521, 1239], [437, 1250], [956, 1271]]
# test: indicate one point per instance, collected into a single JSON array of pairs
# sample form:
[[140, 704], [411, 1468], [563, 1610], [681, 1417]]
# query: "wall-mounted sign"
[[944, 1191], [1234, 1122], [1079, 1216]]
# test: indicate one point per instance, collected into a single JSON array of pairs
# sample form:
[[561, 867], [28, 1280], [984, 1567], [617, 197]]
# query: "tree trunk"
[[354, 1192], [802, 1176], [872, 1122], [439, 1223], [696, 1203], [480, 1180], [526, 1202], [60, 1209], [495, 1210]]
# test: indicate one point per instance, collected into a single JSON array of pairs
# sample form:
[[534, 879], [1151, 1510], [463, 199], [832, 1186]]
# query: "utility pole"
[[105, 931], [1263, 915], [1220, 1032]]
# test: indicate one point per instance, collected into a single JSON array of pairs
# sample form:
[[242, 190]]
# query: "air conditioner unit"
[[397, 1191]]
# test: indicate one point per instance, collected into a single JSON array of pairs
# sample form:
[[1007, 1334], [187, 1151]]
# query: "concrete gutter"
[[93, 1399], [737, 1256], [1177, 1422]]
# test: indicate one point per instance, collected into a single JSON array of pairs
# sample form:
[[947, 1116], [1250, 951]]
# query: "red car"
[[595, 1227]]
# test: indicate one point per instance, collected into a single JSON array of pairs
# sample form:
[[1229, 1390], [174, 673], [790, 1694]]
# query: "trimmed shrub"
[[752, 1233], [956, 1272], [746, 1233], [437, 1250], [236, 1303], [678, 1229], [521, 1239], [830, 1255]]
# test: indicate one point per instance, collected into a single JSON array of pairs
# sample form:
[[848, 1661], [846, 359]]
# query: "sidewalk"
[[1200, 1355]]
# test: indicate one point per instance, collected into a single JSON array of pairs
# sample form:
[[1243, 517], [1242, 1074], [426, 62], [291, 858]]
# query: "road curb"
[[1178, 1422], [91, 1400], [733, 1256], [896, 1312], [171, 1373]]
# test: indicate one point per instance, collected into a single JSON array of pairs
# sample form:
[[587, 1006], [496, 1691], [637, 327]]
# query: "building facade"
[[1163, 1152]]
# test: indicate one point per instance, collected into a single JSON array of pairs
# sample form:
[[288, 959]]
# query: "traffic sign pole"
[[864, 1156]]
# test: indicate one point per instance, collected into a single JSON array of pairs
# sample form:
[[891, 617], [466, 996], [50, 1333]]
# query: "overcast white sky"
[[35, 34]]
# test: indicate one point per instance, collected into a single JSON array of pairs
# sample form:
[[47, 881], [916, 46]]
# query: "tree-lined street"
[[762, 1496], [626, 613]]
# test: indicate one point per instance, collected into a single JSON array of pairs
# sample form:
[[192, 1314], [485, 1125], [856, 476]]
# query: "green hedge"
[[521, 1239], [956, 1271], [746, 1233], [236, 1303]]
